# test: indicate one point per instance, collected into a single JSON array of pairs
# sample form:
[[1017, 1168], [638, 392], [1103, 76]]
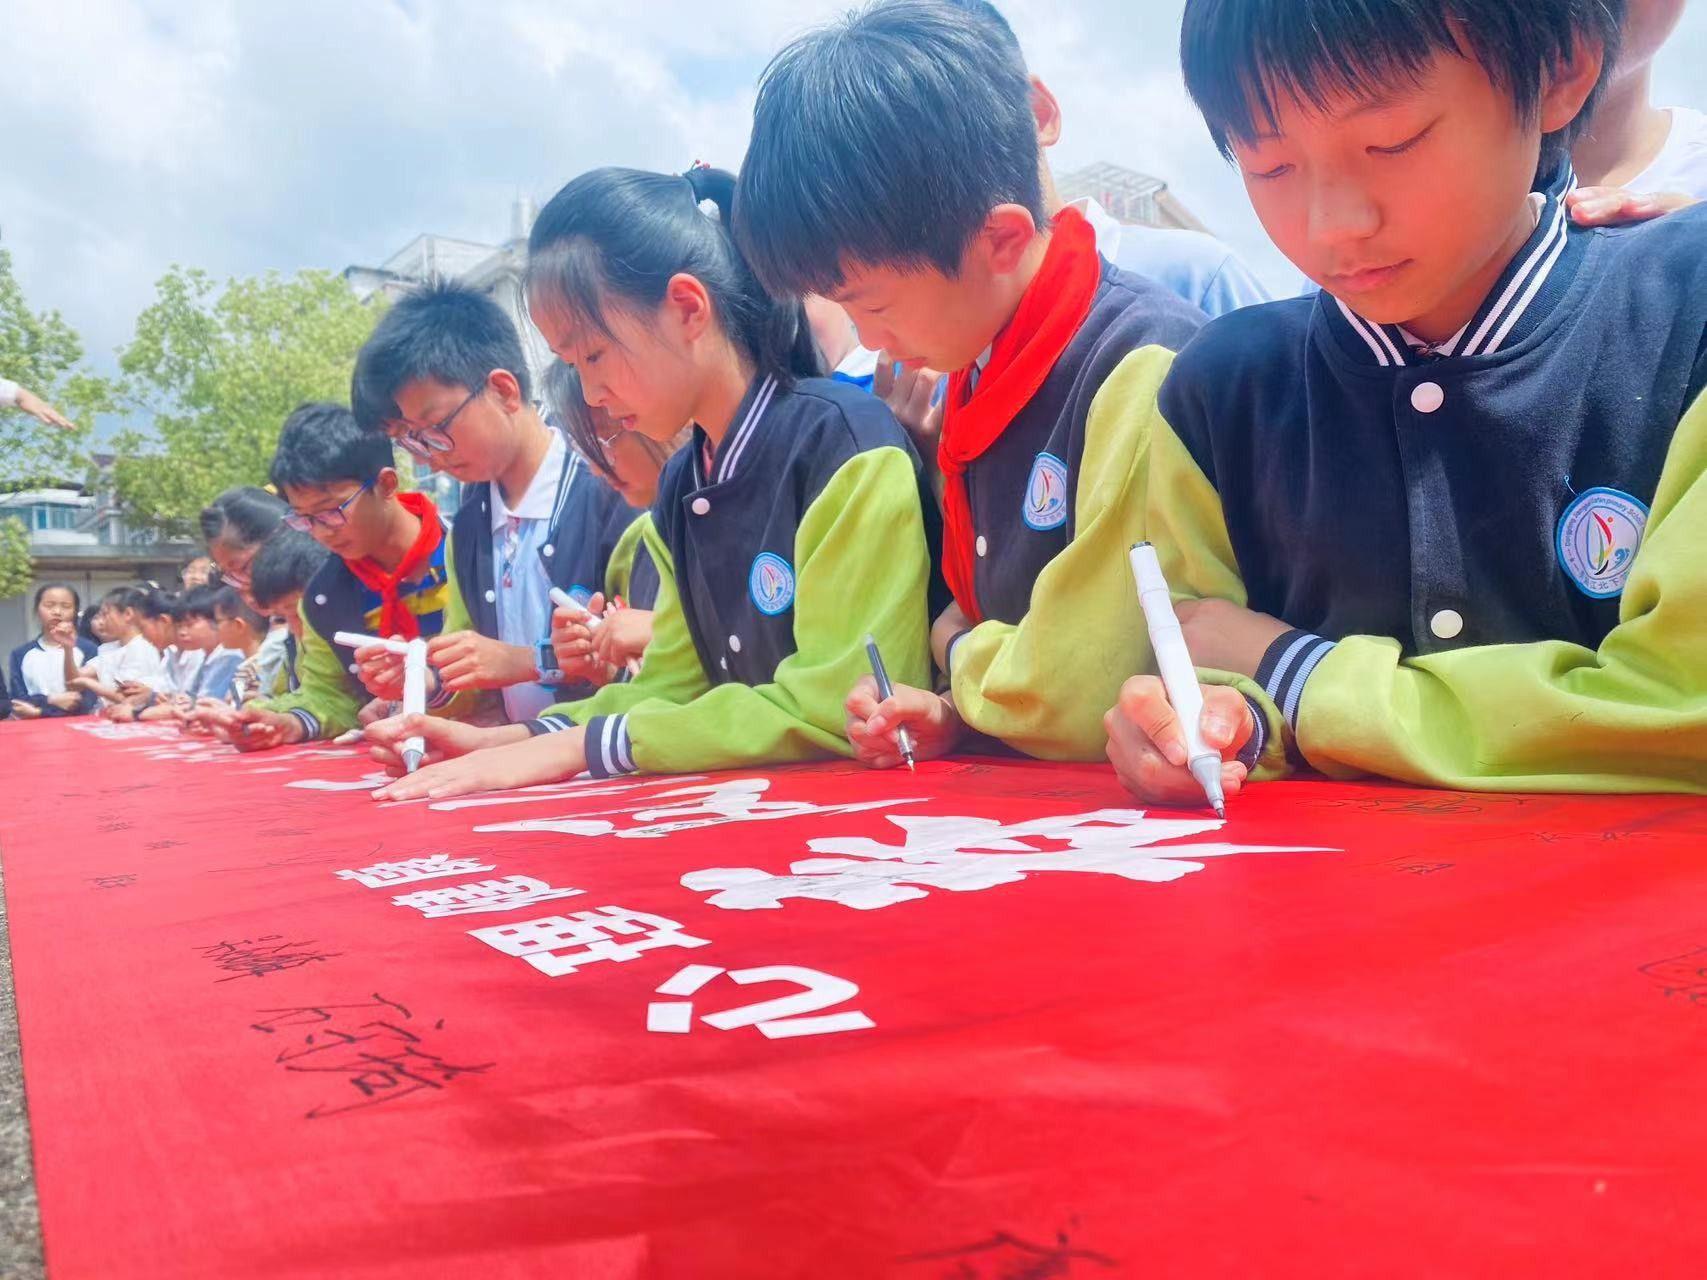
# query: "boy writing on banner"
[[1449, 513], [444, 377], [389, 573], [926, 222]]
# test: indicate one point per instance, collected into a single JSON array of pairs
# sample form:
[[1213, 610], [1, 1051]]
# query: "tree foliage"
[[217, 371]]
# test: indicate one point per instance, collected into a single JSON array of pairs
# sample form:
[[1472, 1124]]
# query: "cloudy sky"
[[243, 135]]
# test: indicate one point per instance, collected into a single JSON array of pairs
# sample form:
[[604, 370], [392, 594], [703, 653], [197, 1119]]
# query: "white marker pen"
[[1178, 672]]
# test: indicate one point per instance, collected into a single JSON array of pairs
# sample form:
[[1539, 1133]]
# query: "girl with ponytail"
[[790, 526]]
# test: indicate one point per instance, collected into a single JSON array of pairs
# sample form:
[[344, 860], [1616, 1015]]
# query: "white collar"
[[1107, 227], [541, 495], [861, 362]]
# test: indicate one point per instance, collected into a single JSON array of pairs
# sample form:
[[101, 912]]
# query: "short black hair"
[[152, 602], [283, 566], [120, 599], [229, 601], [1239, 56], [885, 139], [444, 331], [322, 444], [201, 602], [243, 516]]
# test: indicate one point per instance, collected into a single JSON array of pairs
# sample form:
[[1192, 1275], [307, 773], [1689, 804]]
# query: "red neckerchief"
[[395, 618], [1051, 312]]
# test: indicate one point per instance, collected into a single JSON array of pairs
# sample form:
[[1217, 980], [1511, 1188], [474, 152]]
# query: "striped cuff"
[[8, 393], [549, 724], [1251, 752], [610, 754], [310, 724], [1287, 665]]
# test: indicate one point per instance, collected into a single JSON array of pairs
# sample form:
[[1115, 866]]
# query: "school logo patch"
[[771, 583], [1599, 535], [1046, 493]]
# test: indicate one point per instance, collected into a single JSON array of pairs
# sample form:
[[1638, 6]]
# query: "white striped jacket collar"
[[1507, 303], [734, 448]]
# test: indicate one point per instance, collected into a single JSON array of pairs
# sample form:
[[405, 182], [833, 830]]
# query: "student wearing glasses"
[[444, 377], [389, 573]]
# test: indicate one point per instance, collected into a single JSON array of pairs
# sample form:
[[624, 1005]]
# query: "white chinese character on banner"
[[382, 875], [558, 945], [367, 782], [964, 854], [783, 1018], [735, 800], [507, 894]]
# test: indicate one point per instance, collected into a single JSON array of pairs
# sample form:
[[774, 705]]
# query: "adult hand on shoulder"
[[1223, 636], [873, 724], [1615, 206], [1146, 744], [469, 660], [380, 671]]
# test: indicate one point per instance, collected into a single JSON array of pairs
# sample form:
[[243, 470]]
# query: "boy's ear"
[[1004, 238], [1047, 112], [502, 383], [386, 482], [1569, 86], [686, 309]]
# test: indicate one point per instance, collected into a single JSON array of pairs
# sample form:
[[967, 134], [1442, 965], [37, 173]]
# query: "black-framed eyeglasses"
[[332, 518], [424, 442]]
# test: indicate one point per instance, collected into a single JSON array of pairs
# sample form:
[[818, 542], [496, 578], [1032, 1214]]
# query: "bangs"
[[567, 281], [1243, 60]]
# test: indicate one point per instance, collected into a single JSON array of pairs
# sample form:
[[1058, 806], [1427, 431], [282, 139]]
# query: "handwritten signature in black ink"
[[1005, 1256], [257, 957]]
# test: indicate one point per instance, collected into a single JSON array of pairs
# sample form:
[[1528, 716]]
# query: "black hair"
[[444, 331], [283, 566], [229, 601], [86, 622], [200, 602], [1240, 56], [321, 444], [120, 599], [76, 600], [242, 516], [885, 139], [618, 235], [153, 602]]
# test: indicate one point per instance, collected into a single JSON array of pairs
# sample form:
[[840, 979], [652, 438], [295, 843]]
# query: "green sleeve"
[[671, 672], [620, 569], [1546, 716], [1044, 685], [862, 567], [325, 699]]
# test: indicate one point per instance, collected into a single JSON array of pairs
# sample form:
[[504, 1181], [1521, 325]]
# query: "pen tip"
[[1221, 812]]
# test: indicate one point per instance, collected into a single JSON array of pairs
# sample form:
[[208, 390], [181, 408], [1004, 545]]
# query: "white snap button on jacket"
[[1448, 624], [1426, 397], [319, 599], [735, 644], [491, 597], [550, 550], [983, 545], [701, 506]]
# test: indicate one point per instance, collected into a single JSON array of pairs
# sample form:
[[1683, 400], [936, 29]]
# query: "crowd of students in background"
[[1434, 520]]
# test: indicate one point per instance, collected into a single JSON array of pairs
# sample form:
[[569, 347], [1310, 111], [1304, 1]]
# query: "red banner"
[[989, 1021]]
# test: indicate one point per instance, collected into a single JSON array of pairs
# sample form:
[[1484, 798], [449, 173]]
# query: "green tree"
[[218, 373], [43, 353]]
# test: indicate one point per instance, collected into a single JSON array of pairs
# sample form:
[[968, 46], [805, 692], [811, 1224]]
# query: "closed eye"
[[1399, 149], [1269, 175]]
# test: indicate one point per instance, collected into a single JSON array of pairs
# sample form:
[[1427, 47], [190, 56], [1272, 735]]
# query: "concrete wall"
[[92, 578]]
